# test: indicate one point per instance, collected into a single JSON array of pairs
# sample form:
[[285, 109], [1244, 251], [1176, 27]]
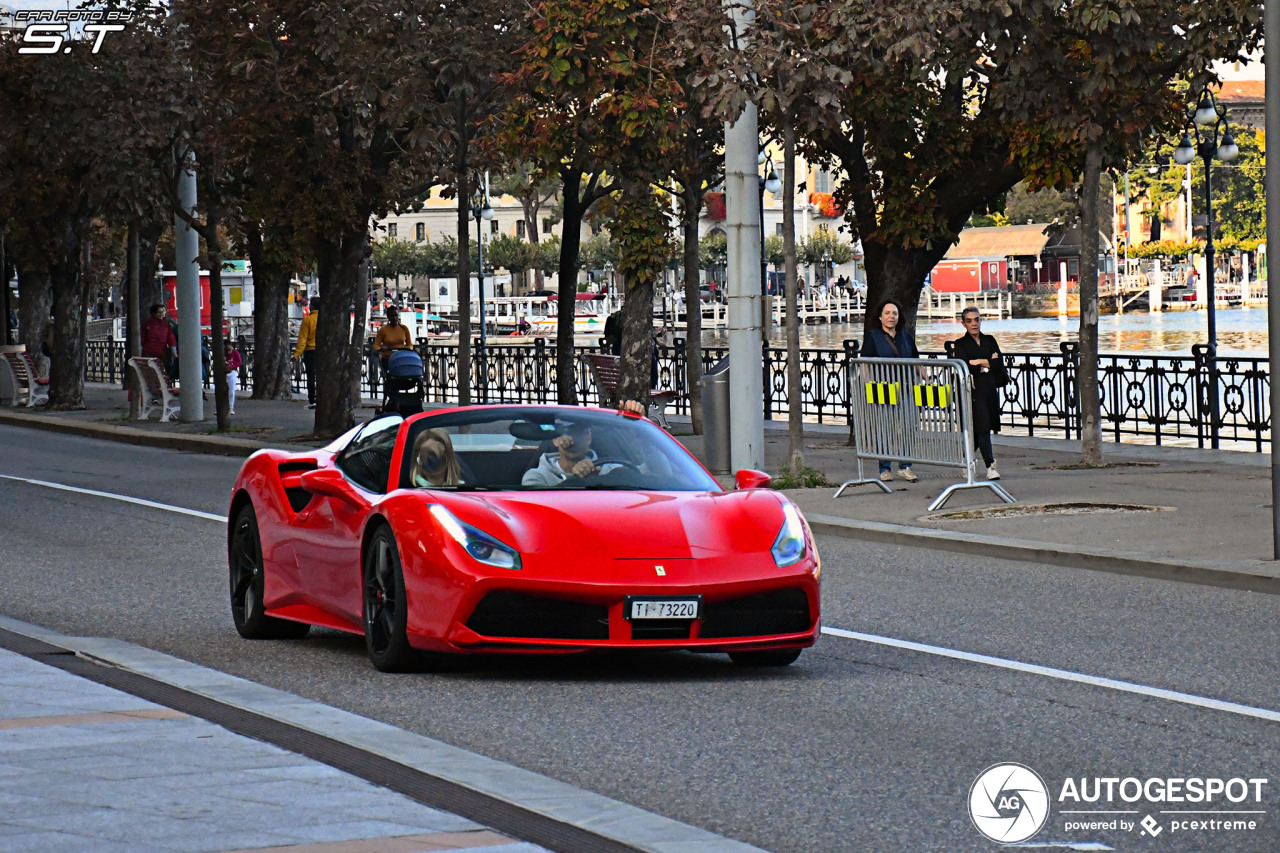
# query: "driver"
[[573, 458]]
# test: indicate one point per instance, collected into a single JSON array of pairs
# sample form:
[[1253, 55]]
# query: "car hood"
[[627, 525]]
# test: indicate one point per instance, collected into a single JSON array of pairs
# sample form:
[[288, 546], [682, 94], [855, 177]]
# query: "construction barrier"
[[914, 410]]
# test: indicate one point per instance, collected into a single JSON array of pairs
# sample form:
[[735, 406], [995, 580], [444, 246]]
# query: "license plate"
[[664, 608]]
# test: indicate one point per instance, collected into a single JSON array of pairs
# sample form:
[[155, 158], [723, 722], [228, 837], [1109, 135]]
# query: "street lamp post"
[[1212, 140], [481, 210], [768, 181]]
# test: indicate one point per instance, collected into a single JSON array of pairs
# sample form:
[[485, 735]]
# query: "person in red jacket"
[[158, 340]]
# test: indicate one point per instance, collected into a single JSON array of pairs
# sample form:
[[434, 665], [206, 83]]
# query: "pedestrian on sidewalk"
[[891, 341], [233, 374], [157, 338], [306, 349], [392, 336], [986, 366]]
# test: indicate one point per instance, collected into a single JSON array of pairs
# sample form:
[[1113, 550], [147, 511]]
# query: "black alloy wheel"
[[244, 559], [386, 609], [784, 657]]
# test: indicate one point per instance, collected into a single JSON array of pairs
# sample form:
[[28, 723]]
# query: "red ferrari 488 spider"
[[518, 529]]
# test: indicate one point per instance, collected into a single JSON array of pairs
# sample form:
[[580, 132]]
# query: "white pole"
[[1271, 182], [742, 224], [1062, 289], [186, 252], [1155, 288]]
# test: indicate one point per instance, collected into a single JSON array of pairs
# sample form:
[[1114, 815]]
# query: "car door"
[[327, 534]]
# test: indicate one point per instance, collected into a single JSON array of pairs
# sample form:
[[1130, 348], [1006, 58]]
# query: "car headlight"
[[480, 545], [788, 548]]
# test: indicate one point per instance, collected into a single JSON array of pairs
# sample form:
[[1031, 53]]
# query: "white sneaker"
[[886, 475], [992, 473], [908, 475]]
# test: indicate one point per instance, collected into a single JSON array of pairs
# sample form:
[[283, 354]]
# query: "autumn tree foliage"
[[347, 95], [928, 109]]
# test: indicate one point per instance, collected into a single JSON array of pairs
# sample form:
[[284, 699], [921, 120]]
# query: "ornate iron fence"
[[1158, 397]]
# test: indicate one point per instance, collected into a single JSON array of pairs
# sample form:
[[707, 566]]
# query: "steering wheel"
[[600, 463]]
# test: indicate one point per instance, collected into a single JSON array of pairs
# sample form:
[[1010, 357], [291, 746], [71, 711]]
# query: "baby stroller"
[[402, 384]]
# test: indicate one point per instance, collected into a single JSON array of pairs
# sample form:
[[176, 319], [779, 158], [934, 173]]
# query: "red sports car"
[[518, 529]]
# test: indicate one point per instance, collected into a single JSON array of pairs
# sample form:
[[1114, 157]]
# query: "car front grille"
[[661, 629], [784, 611], [506, 613]]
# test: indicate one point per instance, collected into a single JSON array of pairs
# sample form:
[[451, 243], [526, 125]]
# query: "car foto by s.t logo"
[[47, 30], [1009, 803]]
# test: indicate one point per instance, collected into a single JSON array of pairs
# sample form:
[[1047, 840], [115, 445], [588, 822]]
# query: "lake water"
[[1241, 331]]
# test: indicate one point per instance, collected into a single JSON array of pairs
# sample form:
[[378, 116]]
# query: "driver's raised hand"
[[562, 442]]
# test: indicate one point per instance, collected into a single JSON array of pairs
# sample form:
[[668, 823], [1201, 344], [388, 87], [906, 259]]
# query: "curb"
[[218, 446], [612, 822], [1253, 577]]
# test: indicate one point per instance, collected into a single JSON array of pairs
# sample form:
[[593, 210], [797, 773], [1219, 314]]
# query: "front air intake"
[[507, 613], [784, 611]]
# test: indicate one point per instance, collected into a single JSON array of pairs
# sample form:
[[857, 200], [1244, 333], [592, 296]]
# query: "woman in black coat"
[[891, 341], [982, 354]]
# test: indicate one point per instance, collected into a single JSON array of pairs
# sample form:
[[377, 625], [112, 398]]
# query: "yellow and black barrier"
[[882, 393], [931, 423]]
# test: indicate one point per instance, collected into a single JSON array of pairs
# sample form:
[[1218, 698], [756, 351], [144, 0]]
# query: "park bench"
[[157, 389], [28, 388], [606, 370]]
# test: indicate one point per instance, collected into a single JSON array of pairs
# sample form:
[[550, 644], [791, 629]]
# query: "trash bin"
[[715, 417]]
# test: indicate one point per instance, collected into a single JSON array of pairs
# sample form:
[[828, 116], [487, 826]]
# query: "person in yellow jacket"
[[392, 336], [306, 349]]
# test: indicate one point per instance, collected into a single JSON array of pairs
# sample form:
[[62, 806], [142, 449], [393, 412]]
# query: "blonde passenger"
[[434, 462]]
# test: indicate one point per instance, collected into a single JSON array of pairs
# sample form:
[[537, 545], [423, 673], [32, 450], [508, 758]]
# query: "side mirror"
[[748, 478], [328, 482]]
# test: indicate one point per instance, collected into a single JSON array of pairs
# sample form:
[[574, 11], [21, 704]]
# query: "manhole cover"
[[1024, 510]]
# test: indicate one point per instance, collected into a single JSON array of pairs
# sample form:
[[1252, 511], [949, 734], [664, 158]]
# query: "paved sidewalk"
[[87, 768], [1207, 514]]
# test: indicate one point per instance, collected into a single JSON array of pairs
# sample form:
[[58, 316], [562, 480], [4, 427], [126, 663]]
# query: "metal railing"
[[1160, 398]]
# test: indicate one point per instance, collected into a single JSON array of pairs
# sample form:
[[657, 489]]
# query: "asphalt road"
[[857, 747]]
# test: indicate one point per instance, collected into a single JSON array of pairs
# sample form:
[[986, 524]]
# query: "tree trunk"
[[150, 288], [691, 207], [1087, 381], [213, 244], [337, 361], [66, 372], [897, 274], [35, 303], [133, 334], [271, 351], [637, 343], [570, 246], [795, 426]]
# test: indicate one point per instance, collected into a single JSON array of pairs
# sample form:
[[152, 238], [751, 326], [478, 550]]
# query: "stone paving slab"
[[104, 780]]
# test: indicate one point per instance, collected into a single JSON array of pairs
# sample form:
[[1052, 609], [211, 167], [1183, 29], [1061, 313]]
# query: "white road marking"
[[124, 498], [1063, 675]]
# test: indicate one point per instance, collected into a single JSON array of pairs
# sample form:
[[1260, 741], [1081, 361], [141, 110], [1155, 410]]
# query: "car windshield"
[[512, 448]]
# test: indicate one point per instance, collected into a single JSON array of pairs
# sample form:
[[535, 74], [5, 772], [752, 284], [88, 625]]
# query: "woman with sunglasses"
[[986, 366]]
